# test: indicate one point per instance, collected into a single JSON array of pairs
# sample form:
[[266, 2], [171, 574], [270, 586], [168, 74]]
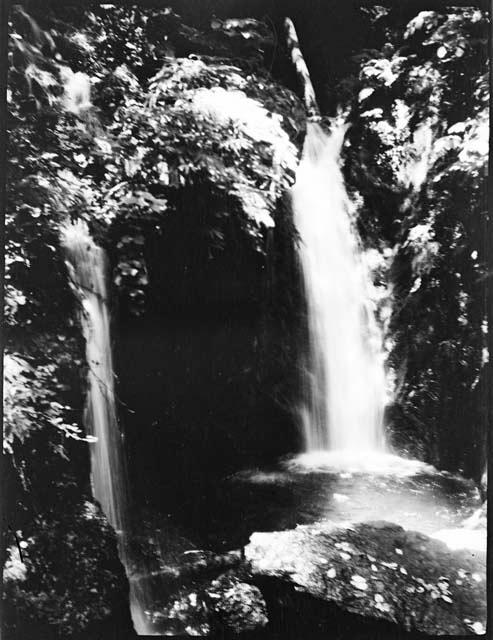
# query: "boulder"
[[225, 605], [237, 606], [377, 570]]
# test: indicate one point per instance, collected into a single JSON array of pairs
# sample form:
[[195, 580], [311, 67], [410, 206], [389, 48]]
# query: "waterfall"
[[343, 370], [77, 90], [86, 263]]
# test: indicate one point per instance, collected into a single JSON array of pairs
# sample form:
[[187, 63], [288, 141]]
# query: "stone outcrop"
[[378, 571]]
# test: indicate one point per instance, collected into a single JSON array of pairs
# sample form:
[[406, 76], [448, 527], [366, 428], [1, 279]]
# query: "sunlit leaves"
[[31, 72], [30, 401], [423, 108], [208, 131], [69, 576], [200, 124]]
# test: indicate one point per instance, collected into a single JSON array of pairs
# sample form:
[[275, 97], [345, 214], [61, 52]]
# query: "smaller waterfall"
[[344, 378], [86, 263], [87, 269], [77, 90]]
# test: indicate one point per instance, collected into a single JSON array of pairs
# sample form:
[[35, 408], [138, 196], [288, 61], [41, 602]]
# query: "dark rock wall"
[[207, 376]]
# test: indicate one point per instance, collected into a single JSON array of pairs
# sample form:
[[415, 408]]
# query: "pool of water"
[[338, 488], [319, 487], [307, 489]]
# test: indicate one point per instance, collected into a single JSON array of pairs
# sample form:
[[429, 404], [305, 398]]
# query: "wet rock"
[[379, 571], [186, 612], [236, 606], [225, 605]]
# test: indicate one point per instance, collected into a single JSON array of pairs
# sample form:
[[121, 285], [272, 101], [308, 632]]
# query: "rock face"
[[377, 570]]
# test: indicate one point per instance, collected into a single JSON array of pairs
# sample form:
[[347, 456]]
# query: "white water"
[[86, 263], [472, 534], [379, 463], [344, 377], [77, 91]]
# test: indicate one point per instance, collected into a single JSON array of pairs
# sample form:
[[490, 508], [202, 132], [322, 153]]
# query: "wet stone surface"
[[378, 570], [225, 604]]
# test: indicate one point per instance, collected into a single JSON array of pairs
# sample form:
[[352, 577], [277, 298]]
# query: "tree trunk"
[[309, 98]]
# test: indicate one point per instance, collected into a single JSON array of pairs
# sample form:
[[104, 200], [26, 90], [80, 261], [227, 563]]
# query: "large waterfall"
[[86, 263], [344, 378]]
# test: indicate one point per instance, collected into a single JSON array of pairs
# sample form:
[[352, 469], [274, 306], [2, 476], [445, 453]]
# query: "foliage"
[[68, 579], [420, 148], [43, 187], [43, 434], [143, 136], [198, 126], [33, 72], [31, 401], [44, 181]]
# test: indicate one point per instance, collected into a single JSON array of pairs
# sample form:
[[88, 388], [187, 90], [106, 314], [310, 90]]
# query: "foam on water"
[[334, 488], [375, 463], [462, 538]]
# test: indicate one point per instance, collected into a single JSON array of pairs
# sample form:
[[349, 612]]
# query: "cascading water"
[[344, 377], [86, 263]]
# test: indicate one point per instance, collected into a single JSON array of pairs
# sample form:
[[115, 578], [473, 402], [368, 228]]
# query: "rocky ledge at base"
[[373, 570]]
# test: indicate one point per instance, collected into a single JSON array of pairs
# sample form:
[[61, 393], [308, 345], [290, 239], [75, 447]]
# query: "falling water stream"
[[344, 378], [86, 263]]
